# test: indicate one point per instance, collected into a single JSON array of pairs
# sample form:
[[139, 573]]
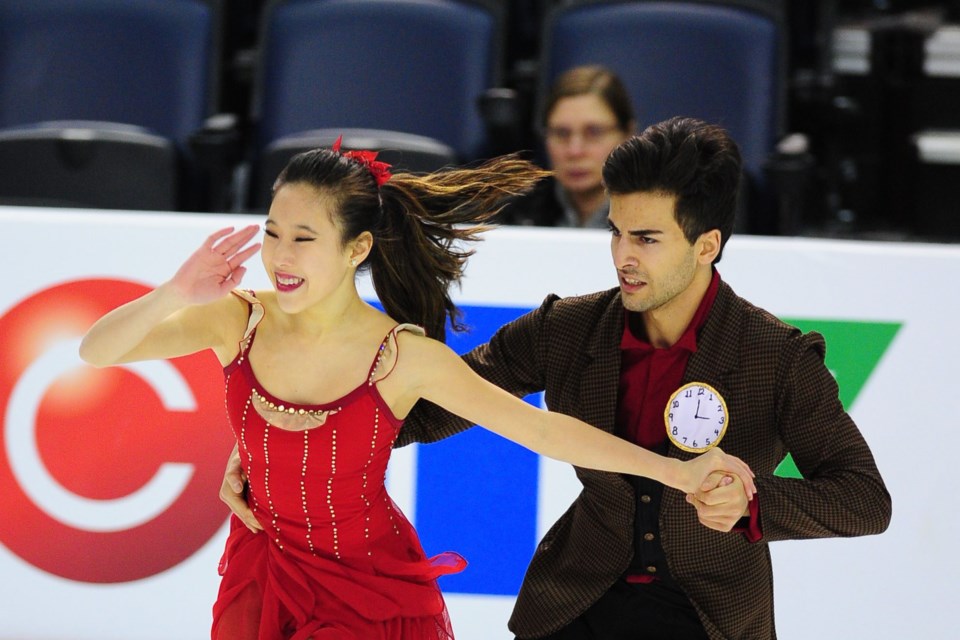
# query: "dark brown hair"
[[596, 80], [699, 163], [420, 224]]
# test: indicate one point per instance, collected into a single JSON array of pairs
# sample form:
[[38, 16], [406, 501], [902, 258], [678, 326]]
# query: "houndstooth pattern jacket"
[[780, 398]]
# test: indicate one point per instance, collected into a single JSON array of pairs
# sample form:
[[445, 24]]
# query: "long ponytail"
[[421, 224], [431, 220]]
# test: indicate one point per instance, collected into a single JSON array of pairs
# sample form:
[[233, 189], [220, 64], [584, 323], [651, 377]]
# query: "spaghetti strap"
[[391, 339], [256, 315]]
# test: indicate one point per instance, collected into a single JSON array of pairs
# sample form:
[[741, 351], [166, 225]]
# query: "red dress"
[[336, 559]]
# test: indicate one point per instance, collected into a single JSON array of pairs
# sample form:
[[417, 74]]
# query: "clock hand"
[[696, 414]]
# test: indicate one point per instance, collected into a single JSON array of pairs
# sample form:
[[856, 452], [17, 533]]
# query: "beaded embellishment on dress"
[[310, 417]]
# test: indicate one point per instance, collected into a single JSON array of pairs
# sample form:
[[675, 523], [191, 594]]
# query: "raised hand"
[[216, 267], [696, 471]]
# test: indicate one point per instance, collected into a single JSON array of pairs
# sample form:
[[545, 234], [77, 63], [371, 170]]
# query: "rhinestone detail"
[[363, 486], [376, 363], [319, 415], [266, 488], [333, 472], [244, 448], [303, 490]]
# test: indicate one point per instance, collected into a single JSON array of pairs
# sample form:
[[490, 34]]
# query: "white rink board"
[[896, 585]]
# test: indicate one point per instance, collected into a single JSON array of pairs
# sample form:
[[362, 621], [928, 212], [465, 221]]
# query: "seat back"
[[412, 66], [150, 63], [98, 99], [718, 61], [86, 164], [402, 151]]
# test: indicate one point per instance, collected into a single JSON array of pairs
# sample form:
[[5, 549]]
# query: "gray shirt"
[[571, 216]]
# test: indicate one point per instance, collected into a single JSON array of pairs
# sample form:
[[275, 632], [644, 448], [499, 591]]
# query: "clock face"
[[696, 417]]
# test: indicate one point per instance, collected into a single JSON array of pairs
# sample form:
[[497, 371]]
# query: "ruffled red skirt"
[[269, 593]]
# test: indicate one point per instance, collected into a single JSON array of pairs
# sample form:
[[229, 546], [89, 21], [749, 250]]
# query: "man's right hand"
[[231, 492], [720, 502]]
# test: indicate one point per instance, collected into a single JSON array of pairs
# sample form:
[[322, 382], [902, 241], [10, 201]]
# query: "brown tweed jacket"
[[780, 397]]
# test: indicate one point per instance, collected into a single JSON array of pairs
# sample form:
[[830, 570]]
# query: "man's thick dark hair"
[[697, 162]]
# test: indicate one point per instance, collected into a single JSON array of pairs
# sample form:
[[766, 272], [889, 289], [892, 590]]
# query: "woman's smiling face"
[[303, 250]]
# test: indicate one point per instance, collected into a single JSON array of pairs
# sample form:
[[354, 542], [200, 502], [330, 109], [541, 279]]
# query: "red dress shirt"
[[648, 376]]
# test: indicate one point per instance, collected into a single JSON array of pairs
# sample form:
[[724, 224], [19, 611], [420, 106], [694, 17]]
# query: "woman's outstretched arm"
[[436, 373]]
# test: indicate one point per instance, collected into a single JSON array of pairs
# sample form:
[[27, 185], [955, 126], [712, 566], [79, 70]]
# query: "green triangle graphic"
[[853, 351]]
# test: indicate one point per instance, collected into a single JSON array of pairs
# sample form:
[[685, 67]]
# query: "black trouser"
[[651, 611]]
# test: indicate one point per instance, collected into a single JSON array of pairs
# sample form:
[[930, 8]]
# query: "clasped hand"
[[695, 472], [720, 502]]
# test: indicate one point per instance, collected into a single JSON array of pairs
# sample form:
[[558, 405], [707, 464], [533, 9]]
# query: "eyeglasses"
[[589, 135]]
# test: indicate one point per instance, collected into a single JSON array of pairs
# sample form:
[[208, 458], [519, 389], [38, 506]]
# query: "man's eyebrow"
[[635, 232]]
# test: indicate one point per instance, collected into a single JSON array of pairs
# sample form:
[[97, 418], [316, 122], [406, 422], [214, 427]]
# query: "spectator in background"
[[587, 114]]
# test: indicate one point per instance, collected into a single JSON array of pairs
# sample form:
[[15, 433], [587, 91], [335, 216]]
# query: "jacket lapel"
[[718, 345], [600, 376], [718, 348]]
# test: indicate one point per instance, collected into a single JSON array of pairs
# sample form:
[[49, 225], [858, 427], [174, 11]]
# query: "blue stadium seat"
[[112, 90], [408, 66]]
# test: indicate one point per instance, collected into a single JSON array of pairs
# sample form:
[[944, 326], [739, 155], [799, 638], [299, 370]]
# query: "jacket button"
[[648, 537], [645, 499], [651, 569]]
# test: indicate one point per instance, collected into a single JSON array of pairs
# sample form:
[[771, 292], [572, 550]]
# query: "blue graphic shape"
[[477, 492]]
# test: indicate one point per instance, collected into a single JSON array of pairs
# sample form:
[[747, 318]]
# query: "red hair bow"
[[379, 170]]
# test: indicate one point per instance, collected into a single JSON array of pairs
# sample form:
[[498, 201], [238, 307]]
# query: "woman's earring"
[[353, 262]]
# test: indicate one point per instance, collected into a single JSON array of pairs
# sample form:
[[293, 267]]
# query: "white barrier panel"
[[110, 527]]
